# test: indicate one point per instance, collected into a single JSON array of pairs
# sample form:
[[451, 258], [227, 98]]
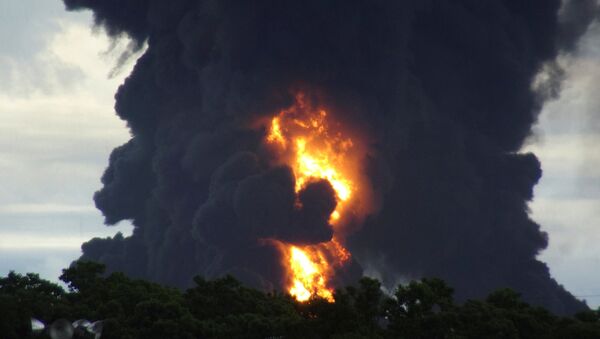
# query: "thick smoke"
[[442, 89]]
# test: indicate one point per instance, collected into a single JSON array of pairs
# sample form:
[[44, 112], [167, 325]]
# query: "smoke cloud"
[[442, 90]]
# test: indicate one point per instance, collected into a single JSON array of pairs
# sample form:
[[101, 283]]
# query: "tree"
[[423, 309], [224, 308], [82, 275], [23, 297]]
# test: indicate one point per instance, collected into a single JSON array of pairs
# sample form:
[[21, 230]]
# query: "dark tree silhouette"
[[224, 308]]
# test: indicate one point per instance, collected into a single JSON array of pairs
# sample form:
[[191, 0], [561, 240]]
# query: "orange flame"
[[308, 276], [315, 149]]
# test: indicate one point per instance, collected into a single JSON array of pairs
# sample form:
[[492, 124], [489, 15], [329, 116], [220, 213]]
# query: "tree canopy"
[[224, 308]]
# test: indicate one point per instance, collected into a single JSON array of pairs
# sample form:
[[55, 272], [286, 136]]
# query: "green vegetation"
[[224, 308]]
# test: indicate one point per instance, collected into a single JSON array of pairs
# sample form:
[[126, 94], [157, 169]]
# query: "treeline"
[[224, 308]]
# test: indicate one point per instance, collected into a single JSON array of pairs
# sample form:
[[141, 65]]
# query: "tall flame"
[[315, 149]]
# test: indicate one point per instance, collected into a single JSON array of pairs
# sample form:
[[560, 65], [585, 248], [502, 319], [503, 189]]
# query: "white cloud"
[[567, 203], [44, 208], [57, 128], [569, 154], [59, 138], [24, 242]]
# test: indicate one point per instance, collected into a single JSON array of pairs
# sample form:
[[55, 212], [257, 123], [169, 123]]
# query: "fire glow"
[[315, 148]]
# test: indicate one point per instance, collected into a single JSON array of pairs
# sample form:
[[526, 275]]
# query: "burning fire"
[[308, 276], [315, 148]]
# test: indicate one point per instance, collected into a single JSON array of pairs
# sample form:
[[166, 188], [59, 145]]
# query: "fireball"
[[315, 147]]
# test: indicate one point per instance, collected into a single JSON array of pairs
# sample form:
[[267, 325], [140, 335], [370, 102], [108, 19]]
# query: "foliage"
[[224, 308], [25, 296]]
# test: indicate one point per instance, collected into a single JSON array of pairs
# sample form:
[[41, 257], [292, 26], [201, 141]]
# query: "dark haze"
[[441, 88]]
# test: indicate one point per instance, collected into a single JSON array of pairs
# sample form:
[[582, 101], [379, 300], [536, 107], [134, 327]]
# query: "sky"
[[58, 126]]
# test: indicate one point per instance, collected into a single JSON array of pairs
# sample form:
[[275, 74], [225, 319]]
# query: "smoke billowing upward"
[[440, 90]]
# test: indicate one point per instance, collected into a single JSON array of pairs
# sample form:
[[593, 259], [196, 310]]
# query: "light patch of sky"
[[26, 24], [57, 128], [567, 203]]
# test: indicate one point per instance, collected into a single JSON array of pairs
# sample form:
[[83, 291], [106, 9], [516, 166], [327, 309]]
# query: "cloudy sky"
[[57, 128]]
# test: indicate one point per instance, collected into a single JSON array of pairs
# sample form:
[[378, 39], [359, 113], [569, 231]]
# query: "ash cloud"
[[443, 87]]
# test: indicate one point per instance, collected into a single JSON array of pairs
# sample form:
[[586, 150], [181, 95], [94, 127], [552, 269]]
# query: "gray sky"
[[57, 128], [567, 201]]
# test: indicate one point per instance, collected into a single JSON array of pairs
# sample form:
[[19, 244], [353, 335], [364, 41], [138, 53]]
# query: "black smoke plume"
[[442, 88]]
